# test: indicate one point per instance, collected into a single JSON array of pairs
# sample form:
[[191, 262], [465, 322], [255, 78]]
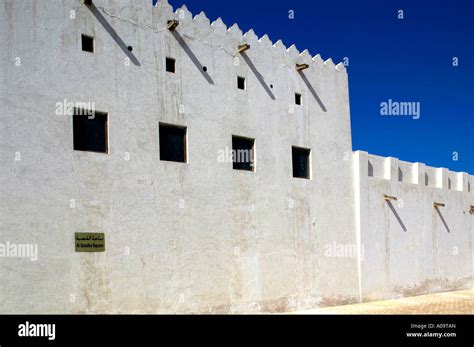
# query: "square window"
[[243, 153], [90, 132], [172, 143], [297, 99], [240, 82], [171, 65], [301, 162], [87, 43]]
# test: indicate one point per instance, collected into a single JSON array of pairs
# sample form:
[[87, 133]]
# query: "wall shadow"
[[313, 92], [258, 75], [101, 19], [442, 219], [191, 56], [396, 215]]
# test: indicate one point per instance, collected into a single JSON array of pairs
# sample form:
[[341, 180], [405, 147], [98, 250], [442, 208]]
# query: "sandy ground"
[[456, 302]]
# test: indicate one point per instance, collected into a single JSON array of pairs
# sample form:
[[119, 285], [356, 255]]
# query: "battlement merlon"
[[395, 170]]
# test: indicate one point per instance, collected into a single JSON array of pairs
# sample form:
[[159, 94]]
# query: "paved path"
[[456, 302]]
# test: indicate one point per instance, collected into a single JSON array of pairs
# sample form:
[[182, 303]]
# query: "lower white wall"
[[408, 246]]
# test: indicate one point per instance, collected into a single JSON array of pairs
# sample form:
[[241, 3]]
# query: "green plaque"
[[90, 242]]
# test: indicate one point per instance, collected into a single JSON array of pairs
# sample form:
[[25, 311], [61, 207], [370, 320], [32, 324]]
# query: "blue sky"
[[407, 60]]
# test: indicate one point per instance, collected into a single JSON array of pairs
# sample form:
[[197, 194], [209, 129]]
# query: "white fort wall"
[[410, 246], [200, 236], [194, 237]]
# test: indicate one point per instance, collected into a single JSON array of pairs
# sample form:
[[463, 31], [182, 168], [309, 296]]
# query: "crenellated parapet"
[[164, 11], [398, 171]]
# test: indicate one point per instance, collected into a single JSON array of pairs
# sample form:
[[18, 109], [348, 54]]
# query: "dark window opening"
[[90, 131], [297, 99], [172, 143], [243, 153], [171, 65], [301, 162], [87, 43], [240, 82]]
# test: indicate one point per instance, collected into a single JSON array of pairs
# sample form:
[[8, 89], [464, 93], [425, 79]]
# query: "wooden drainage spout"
[[172, 24], [301, 67], [243, 48]]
